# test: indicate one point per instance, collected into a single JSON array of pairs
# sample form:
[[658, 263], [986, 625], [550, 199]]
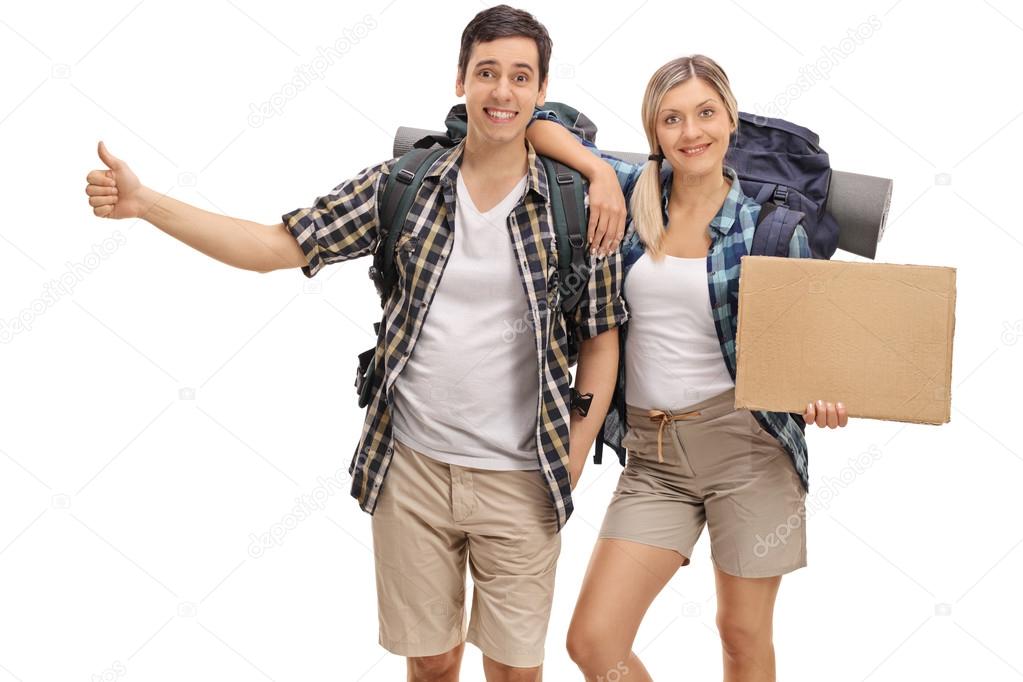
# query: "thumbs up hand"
[[113, 191]]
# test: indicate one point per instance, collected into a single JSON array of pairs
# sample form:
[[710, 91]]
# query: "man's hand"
[[113, 191], [831, 415], [607, 211]]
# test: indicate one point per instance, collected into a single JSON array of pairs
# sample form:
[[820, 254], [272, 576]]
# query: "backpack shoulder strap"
[[775, 227], [568, 211], [400, 188]]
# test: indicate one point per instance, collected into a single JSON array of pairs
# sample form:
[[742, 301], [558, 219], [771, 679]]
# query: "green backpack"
[[568, 211]]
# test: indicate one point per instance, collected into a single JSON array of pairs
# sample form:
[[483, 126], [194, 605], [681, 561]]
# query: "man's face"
[[501, 87]]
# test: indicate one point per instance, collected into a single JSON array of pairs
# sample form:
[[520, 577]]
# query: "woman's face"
[[693, 128]]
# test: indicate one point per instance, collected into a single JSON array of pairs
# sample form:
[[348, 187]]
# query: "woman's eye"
[[708, 112], [671, 120]]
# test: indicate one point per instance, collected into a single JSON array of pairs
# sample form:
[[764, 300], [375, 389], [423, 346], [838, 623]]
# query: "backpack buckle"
[[406, 176], [564, 178], [781, 195]]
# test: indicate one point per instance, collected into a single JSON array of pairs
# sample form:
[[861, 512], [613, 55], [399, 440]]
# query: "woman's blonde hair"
[[646, 197]]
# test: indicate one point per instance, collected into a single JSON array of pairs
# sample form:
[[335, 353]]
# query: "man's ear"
[[459, 83], [541, 96]]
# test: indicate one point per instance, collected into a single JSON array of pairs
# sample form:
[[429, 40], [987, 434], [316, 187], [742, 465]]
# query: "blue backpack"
[[782, 166]]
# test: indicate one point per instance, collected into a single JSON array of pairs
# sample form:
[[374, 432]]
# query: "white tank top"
[[468, 393], [672, 353]]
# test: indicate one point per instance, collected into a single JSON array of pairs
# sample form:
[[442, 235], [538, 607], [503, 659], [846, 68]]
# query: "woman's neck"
[[694, 192]]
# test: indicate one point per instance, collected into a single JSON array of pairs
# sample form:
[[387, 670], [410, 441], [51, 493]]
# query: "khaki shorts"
[[720, 467], [431, 517]]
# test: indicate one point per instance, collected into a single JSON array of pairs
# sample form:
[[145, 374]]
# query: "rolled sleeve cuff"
[[614, 314], [301, 226]]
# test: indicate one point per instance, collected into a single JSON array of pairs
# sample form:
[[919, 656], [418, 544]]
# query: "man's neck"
[[486, 160]]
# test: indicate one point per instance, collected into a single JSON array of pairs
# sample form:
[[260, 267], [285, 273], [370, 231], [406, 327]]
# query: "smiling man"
[[469, 450]]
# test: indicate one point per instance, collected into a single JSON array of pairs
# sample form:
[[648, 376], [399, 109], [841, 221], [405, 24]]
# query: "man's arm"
[[241, 243], [596, 373], [340, 225], [600, 312]]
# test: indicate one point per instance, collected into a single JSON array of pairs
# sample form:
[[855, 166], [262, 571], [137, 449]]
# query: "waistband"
[[657, 420], [715, 406]]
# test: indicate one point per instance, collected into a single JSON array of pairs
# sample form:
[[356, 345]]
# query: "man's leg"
[[420, 567], [513, 554], [441, 668], [499, 672]]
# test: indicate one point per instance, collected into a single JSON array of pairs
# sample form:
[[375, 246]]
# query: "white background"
[[127, 509]]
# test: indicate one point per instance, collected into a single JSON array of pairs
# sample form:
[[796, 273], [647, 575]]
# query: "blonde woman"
[[693, 459]]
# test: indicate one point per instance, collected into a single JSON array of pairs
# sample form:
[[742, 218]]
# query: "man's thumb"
[[112, 162]]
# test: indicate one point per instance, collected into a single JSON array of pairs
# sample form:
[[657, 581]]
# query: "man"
[[469, 449]]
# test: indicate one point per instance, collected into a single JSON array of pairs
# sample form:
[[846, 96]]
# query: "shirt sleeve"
[[799, 245], [342, 224], [602, 306], [628, 173]]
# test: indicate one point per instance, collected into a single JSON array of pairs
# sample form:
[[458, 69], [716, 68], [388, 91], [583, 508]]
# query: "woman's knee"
[[743, 637], [591, 649]]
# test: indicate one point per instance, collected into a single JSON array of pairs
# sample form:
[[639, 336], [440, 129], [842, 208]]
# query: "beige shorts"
[[720, 467], [431, 517]]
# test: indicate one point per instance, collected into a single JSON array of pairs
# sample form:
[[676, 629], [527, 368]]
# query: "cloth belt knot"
[[664, 418]]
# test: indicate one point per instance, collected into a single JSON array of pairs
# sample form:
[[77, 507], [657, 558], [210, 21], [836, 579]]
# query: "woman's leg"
[[621, 582], [745, 621]]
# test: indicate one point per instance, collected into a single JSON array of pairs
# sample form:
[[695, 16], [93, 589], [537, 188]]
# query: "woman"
[[693, 458]]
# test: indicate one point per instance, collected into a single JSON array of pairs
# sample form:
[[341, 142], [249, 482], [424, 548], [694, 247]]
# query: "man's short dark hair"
[[503, 21]]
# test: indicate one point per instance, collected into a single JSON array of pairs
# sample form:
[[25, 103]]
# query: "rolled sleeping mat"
[[859, 203]]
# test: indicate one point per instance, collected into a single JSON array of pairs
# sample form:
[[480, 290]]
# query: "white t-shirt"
[[468, 393], [672, 353]]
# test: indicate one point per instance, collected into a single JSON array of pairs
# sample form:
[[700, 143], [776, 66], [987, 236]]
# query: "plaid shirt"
[[344, 224], [731, 232]]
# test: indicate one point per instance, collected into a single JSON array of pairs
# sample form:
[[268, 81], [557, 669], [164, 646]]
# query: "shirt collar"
[[729, 211], [447, 165]]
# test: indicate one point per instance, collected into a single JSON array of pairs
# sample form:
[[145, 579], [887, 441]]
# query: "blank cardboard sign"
[[874, 336]]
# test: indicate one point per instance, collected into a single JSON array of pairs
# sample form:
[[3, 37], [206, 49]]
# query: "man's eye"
[[522, 78], [485, 74]]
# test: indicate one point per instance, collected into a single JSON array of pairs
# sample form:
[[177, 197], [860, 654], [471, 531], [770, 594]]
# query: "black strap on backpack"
[[568, 212], [399, 192], [775, 224]]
